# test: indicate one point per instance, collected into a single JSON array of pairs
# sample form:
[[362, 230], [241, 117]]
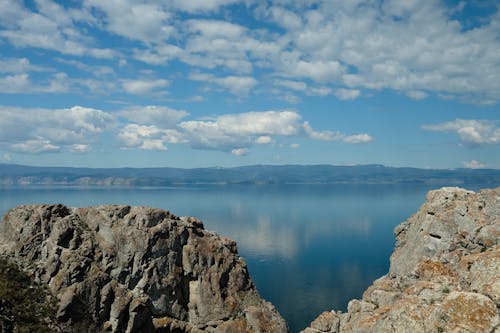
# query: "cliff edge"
[[444, 272], [136, 269]]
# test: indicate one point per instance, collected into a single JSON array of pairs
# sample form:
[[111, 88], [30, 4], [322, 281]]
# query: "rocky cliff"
[[444, 273], [136, 269]]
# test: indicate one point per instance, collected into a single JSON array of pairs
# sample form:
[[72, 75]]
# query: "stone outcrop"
[[136, 269], [444, 274]]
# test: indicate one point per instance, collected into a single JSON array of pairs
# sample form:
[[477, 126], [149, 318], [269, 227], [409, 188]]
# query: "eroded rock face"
[[444, 274], [136, 269]]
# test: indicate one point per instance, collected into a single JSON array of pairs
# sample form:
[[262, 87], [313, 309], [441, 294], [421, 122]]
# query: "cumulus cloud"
[[336, 136], [471, 132], [76, 129], [22, 83], [473, 164], [262, 140], [159, 55], [154, 127], [417, 94], [147, 22], [34, 146], [80, 148], [343, 46], [45, 130], [161, 116], [347, 94], [18, 65], [148, 137], [216, 28], [238, 85], [194, 6], [143, 86], [237, 131], [240, 151], [300, 86], [15, 83], [7, 157], [50, 27]]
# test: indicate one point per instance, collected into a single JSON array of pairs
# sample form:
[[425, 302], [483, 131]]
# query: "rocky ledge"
[[136, 269], [444, 273]]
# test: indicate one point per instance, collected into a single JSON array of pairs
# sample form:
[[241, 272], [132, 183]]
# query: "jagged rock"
[[444, 274], [136, 269]]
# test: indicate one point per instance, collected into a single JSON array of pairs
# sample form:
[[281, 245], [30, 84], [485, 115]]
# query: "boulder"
[[444, 272], [136, 269]]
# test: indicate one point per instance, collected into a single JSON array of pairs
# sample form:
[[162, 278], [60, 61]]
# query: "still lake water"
[[309, 248]]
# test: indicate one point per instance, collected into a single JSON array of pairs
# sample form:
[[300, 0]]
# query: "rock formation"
[[444, 274], [136, 269]]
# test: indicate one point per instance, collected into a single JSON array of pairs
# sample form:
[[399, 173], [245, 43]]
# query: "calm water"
[[309, 248]]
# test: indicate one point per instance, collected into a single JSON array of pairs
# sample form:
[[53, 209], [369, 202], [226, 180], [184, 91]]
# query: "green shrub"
[[24, 305]]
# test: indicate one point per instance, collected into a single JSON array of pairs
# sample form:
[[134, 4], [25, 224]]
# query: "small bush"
[[24, 305]]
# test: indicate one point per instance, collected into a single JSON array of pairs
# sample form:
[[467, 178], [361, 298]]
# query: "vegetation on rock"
[[25, 306]]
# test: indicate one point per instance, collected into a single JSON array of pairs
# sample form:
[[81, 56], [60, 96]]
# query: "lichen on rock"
[[444, 272], [136, 269]]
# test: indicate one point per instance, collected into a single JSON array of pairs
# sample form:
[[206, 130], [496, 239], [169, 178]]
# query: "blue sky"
[[194, 83]]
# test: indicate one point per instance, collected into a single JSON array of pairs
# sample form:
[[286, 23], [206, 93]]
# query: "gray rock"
[[136, 269], [444, 274]]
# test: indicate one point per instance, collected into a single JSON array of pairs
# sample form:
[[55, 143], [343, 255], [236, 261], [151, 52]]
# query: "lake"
[[309, 248]]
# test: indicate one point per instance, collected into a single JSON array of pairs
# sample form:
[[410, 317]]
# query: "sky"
[[205, 83]]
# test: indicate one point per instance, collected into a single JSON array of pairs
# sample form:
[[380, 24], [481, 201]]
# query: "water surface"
[[309, 248]]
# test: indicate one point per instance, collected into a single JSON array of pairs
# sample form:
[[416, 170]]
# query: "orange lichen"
[[431, 268], [469, 311]]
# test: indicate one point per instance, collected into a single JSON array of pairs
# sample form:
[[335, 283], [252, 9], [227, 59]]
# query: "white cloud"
[[319, 71], [416, 49], [148, 137], [236, 131], [194, 6], [347, 94], [159, 55], [143, 86], [18, 65], [16, 83], [147, 22], [240, 151], [355, 139], [285, 18], [80, 148], [56, 83], [237, 85], [417, 94], [473, 164], [43, 130], [294, 145], [161, 116], [216, 28], [7, 157], [318, 135], [264, 139], [52, 27], [336, 136], [96, 70], [34, 146], [293, 85], [470, 131], [300, 86], [76, 129], [403, 46]]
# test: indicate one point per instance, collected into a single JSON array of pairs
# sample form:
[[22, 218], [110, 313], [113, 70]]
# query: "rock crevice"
[[136, 269], [444, 272]]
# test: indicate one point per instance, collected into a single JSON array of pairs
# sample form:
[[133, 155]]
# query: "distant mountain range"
[[12, 174]]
